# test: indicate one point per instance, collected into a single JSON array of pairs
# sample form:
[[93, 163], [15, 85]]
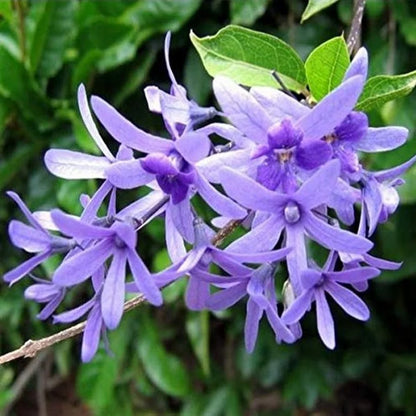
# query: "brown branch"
[[31, 347], [353, 40]]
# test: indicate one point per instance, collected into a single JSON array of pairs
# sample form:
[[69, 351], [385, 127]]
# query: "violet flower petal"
[[28, 238], [326, 328], [355, 275], [82, 265], [226, 297], [92, 332], [261, 238], [251, 326], [278, 104], [359, 65], [298, 308], [128, 174], [211, 166], [381, 139], [25, 210], [348, 301], [174, 241], [297, 257], [312, 154], [126, 132], [332, 110], [335, 238], [68, 164], [250, 193], [193, 146], [75, 313], [217, 201], [26, 267], [318, 188], [242, 109], [112, 297], [73, 227], [197, 293], [143, 279], [85, 112]]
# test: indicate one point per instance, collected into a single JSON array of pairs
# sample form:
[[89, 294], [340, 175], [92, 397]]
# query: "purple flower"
[[118, 242], [296, 213], [33, 238], [178, 112], [286, 145], [379, 195], [45, 291], [197, 261], [259, 285], [315, 284]]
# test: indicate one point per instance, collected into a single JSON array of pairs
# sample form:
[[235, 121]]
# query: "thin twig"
[[353, 40], [22, 380], [31, 347]]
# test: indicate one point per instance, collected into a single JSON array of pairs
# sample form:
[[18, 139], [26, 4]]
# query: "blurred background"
[[170, 361]]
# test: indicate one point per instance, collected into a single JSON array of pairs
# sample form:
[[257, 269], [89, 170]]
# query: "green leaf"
[[246, 12], [159, 16], [96, 380], [326, 66], [6, 10], [315, 6], [137, 75], [17, 85], [380, 89], [13, 165], [165, 370], [114, 39], [250, 57], [53, 26], [197, 327]]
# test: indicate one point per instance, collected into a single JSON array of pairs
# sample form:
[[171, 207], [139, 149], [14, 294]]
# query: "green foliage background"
[[170, 360]]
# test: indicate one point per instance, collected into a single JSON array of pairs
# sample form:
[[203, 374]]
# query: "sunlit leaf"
[[326, 66], [315, 6], [249, 57]]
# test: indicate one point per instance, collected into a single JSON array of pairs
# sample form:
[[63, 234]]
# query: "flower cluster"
[[290, 173]]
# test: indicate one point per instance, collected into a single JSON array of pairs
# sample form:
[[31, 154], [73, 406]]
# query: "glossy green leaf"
[[249, 58], [17, 85], [326, 66], [315, 6], [53, 27], [165, 370], [380, 89], [246, 12]]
